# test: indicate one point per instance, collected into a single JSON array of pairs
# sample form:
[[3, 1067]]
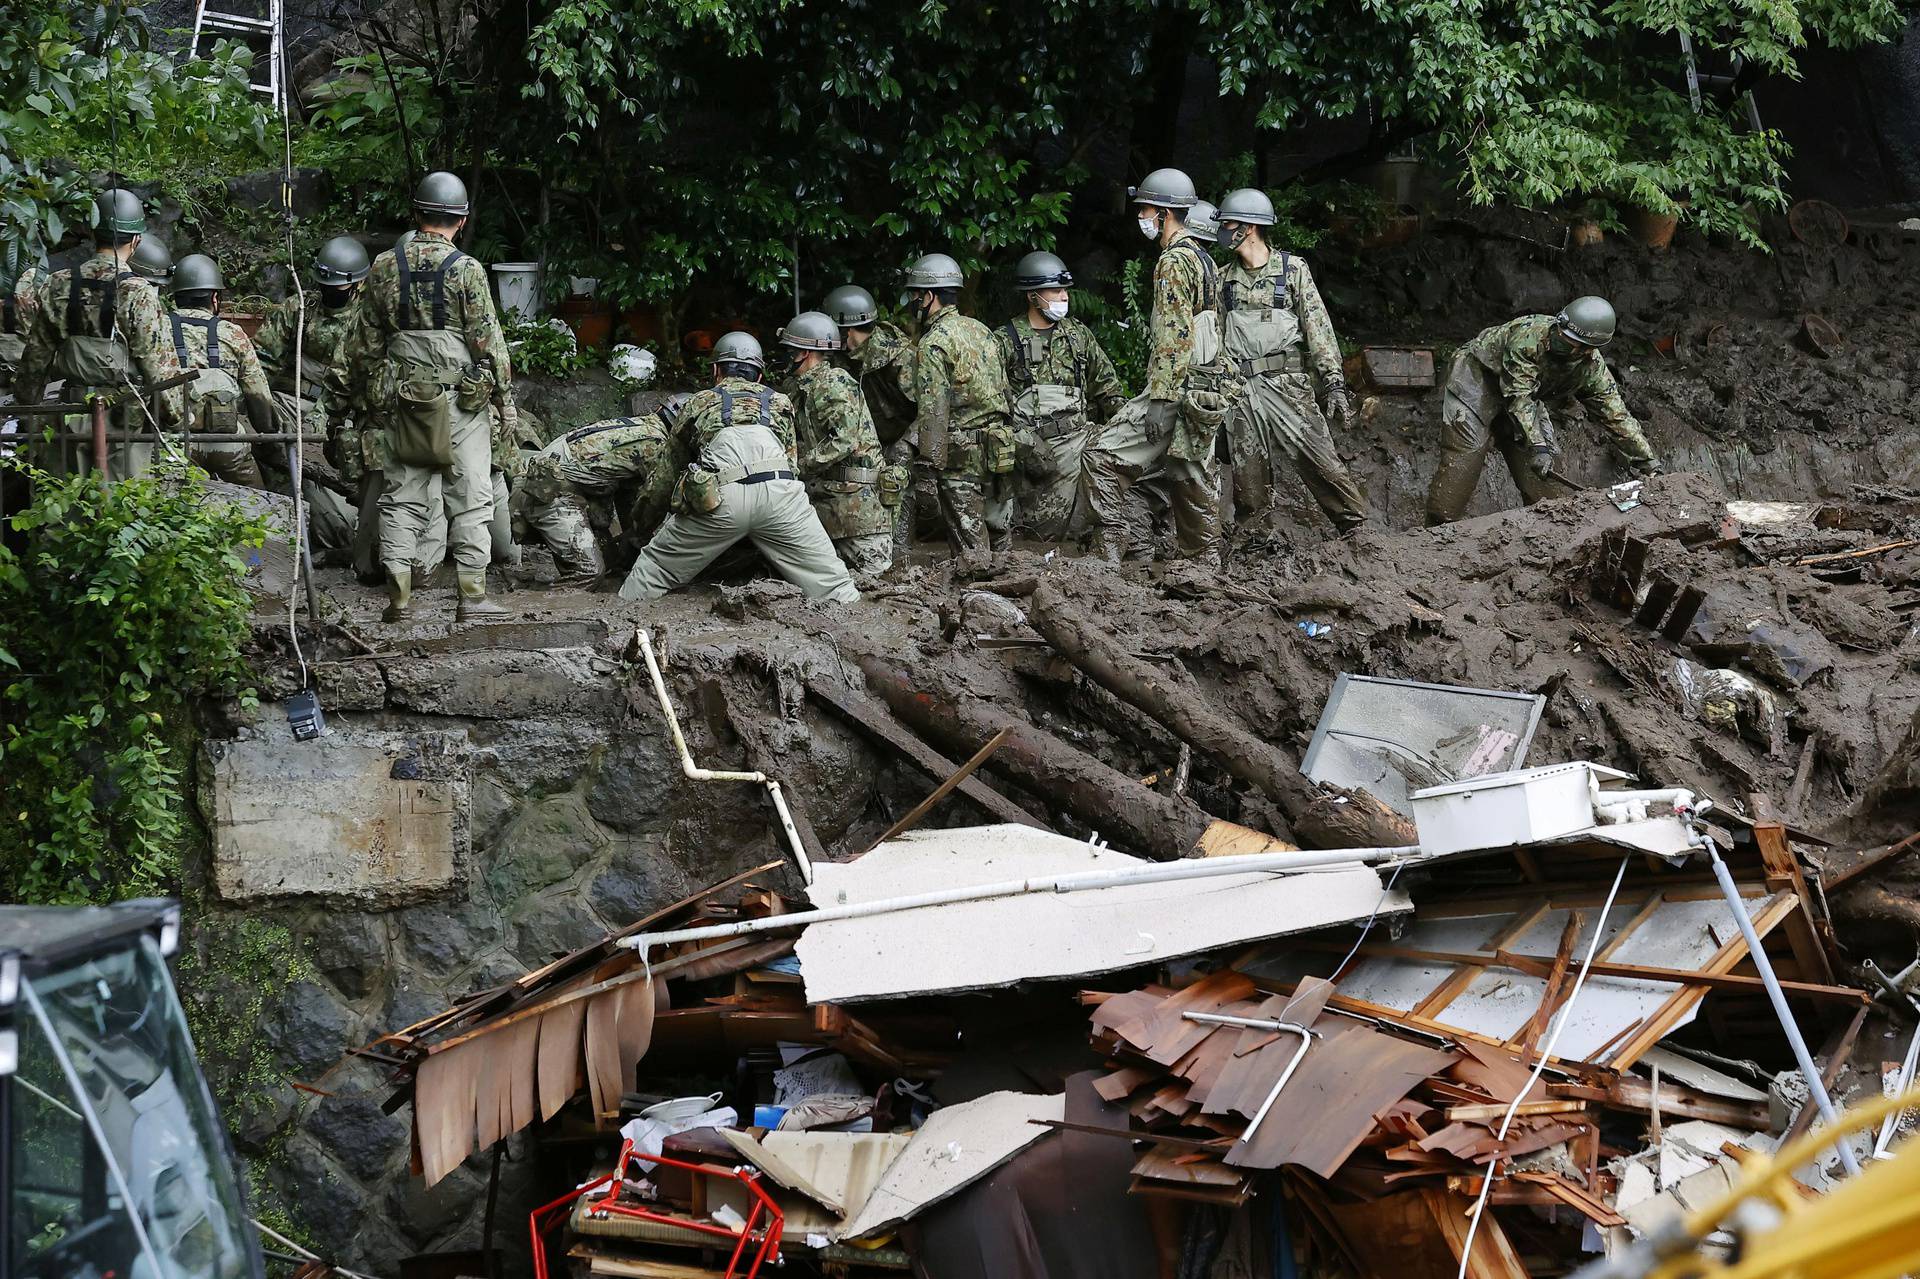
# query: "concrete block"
[[360, 817], [503, 683]]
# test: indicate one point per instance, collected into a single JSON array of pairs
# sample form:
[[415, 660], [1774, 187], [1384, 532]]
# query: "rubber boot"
[[399, 596], [474, 604]]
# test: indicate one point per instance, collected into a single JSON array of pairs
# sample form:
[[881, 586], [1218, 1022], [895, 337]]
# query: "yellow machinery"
[[1867, 1227]]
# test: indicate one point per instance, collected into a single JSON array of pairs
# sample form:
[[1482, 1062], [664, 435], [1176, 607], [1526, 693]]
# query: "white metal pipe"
[[1293, 1063], [1153, 873], [699, 774], [1757, 953], [1892, 1121]]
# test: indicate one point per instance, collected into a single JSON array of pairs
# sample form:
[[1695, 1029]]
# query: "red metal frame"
[[764, 1213]]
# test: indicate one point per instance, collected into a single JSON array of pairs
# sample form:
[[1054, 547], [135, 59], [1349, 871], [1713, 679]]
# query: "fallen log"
[[1129, 815], [1348, 819]]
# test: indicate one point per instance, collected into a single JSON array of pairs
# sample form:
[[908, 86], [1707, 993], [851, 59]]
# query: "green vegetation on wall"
[[137, 605]]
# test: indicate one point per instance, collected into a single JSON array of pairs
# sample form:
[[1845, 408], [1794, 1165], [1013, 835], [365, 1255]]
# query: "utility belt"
[[758, 471], [851, 475], [1279, 362]]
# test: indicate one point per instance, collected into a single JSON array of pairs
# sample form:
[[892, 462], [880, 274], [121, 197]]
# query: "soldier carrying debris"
[[1497, 396], [741, 485]]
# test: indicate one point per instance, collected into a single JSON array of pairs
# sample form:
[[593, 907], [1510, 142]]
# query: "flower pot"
[[248, 321], [591, 322], [583, 286], [1584, 233], [642, 324], [1655, 230], [518, 284]]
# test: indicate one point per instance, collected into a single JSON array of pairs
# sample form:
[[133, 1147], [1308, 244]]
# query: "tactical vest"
[[1262, 334], [698, 489], [91, 353], [1206, 316], [1051, 408], [213, 397], [426, 365]]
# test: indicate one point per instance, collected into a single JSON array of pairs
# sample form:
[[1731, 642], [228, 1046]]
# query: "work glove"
[[1543, 459], [1160, 417], [1337, 405], [1644, 468]]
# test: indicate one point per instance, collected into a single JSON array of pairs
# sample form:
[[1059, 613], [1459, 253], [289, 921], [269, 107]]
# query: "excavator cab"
[[113, 1161]]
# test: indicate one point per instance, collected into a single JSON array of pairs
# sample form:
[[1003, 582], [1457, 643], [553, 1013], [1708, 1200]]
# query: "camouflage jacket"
[[836, 432], [701, 419], [320, 348], [1185, 283], [1068, 355], [23, 298], [601, 457], [959, 368], [138, 320], [884, 365], [1242, 288], [1531, 374], [378, 314], [237, 357]]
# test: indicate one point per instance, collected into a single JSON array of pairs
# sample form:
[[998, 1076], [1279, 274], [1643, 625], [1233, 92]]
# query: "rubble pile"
[[1257, 920]]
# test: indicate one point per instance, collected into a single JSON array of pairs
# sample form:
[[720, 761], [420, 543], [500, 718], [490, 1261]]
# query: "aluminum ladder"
[[253, 28]]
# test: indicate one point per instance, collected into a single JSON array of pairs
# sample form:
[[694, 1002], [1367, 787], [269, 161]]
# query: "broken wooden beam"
[[874, 720], [1119, 807], [1360, 822]]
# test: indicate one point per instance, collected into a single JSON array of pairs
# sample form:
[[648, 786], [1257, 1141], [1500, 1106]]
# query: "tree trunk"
[[1318, 819], [1129, 815]]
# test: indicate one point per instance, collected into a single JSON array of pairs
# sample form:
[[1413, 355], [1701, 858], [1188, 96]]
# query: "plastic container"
[[518, 286], [1503, 809], [633, 366], [768, 1116], [680, 1108]]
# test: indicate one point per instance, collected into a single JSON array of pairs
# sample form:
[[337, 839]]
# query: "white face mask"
[[1150, 227], [1055, 311]]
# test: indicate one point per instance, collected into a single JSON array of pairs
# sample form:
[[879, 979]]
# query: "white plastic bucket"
[[518, 284], [632, 365]]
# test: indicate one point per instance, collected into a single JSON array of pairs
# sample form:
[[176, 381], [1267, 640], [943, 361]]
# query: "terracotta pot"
[[249, 322], [1655, 230], [1584, 234], [591, 322], [642, 324]]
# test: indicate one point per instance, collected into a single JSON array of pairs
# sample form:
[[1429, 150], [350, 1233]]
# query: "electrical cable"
[[1367, 927], [1558, 1024]]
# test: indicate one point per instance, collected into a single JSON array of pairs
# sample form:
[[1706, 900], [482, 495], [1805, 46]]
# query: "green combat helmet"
[[1042, 270], [1248, 206], [341, 261], [1204, 220], [117, 216], [151, 261], [934, 271], [851, 307], [811, 331], [441, 192], [1588, 321], [1166, 189], [197, 273], [739, 348]]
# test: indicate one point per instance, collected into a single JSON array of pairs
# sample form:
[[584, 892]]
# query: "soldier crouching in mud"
[[1497, 396]]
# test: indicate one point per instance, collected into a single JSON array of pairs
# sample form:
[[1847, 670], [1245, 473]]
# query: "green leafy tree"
[[125, 604]]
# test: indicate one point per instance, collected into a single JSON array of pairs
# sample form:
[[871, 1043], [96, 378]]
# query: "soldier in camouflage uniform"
[[231, 385], [881, 356], [102, 329], [1278, 341], [741, 486], [840, 459], [324, 403], [427, 343], [1063, 387], [561, 485], [19, 305], [963, 432], [1497, 396], [1171, 431]]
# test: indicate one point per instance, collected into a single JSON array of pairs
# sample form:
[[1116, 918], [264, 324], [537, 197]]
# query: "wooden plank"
[[1685, 1000], [1556, 984], [1456, 983], [1839, 879], [1839, 1049], [1482, 1112], [945, 788], [873, 719], [1784, 873], [1493, 1255]]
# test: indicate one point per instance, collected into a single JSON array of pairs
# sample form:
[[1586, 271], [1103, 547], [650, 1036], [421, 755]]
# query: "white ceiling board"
[[980, 945], [957, 1146], [1697, 1075], [1498, 1002], [1401, 983]]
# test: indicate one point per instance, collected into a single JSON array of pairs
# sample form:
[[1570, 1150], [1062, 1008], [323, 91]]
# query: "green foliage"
[[362, 123], [125, 604], [237, 970], [1122, 329], [36, 208], [545, 348]]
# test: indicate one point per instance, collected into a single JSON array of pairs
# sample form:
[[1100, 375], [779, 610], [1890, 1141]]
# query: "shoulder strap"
[[406, 286], [212, 326], [1025, 353], [179, 338], [766, 406], [1280, 291], [440, 289], [73, 301], [1209, 272], [726, 406]]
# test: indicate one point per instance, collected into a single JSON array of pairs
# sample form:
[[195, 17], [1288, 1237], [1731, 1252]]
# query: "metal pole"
[[1816, 1087], [306, 542], [98, 407], [1293, 1063]]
